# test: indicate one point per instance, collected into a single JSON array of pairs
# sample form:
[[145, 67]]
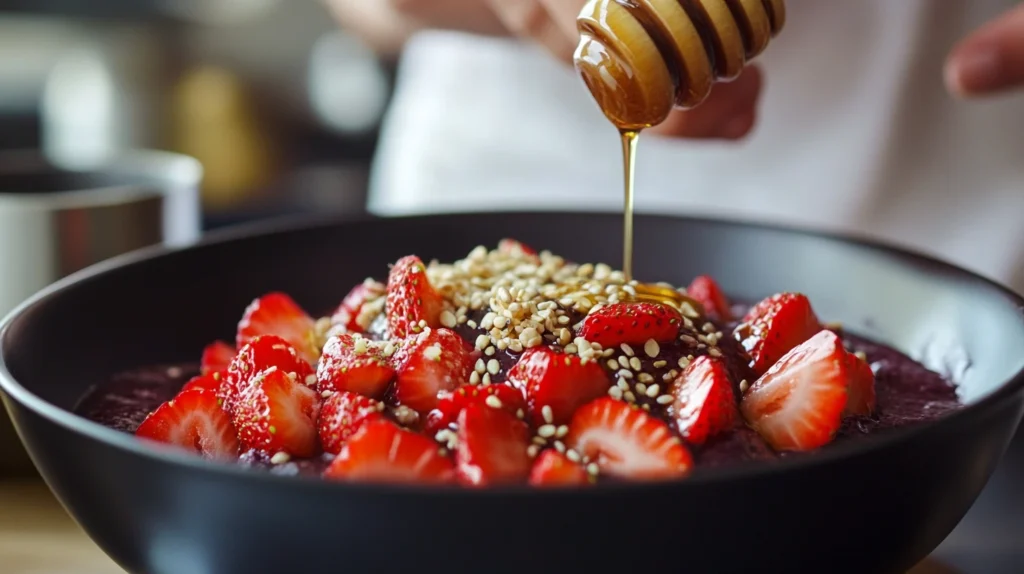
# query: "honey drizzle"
[[629, 141]]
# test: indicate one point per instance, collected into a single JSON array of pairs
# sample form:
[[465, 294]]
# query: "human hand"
[[991, 60], [729, 112]]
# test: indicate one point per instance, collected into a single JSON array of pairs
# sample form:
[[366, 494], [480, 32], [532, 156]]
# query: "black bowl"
[[879, 505]]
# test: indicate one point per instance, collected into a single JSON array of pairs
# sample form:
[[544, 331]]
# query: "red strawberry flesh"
[[492, 447], [553, 468], [451, 403], [559, 381], [216, 357], [708, 293], [798, 404], [774, 326], [704, 402], [354, 364], [626, 442], [256, 356], [195, 421], [278, 314], [341, 415], [412, 302], [276, 414], [434, 361], [382, 452], [631, 323]]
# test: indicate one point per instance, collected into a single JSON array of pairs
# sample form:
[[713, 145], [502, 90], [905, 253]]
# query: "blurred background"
[[241, 85]]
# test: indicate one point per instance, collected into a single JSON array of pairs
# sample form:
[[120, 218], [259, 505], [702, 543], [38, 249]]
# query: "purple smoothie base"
[[907, 394]]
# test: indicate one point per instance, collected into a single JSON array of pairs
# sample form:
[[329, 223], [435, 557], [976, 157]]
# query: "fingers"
[[991, 59], [729, 112], [550, 23]]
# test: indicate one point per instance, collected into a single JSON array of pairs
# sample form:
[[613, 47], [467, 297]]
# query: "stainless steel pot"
[[57, 218]]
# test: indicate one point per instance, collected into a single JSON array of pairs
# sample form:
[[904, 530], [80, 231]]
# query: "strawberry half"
[[553, 468], [774, 326], [277, 314], [626, 442], [433, 361], [631, 323], [707, 292], [492, 447], [193, 420], [382, 452], [557, 380], [276, 413], [208, 382], [347, 314], [798, 404], [341, 415], [704, 404], [517, 249], [354, 364], [861, 398], [256, 356], [216, 357], [451, 403], [411, 299]]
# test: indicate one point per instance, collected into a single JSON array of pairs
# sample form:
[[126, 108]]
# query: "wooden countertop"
[[37, 536]]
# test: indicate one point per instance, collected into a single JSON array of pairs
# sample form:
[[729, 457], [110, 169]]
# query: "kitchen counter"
[[37, 536]]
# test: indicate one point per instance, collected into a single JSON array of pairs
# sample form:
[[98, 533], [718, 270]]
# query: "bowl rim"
[[165, 454]]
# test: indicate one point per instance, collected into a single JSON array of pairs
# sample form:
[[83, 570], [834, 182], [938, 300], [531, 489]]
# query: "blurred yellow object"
[[216, 121]]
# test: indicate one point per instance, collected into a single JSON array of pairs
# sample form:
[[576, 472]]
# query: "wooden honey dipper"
[[642, 58]]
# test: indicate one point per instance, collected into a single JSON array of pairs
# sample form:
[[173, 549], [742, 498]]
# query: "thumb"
[[991, 59]]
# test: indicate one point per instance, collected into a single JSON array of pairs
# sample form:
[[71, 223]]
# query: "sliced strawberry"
[[557, 380], [631, 323], [798, 404], [277, 314], [348, 313], [195, 421], [774, 326], [354, 364], [341, 415], [861, 392], [517, 249], [278, 414], [707, 292], [256, 356], [626, 442], [216, 357], [412, 302], [492, 447], [433, 361], [451, 403], [553, 468], [382, 452], [705, 404], [208, 382]]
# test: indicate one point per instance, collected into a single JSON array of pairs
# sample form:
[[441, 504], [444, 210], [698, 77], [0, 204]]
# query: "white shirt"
[[856, 132]]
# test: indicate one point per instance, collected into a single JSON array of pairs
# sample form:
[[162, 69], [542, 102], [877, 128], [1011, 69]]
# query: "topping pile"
[[516, 367]]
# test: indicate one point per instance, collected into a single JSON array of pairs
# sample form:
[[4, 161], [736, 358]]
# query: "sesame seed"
[[474, 378], [562, 431], [571, 349], [520, 414], [629, 396], [572, 455], [431, 353], [634, 363], [493, 366], [493, 402], [326, 394], [310, 380], [652, 348], [645, 378], [547, 431], [660, 364], [486, 380], [448, 319], [613, 364], [664, 399], [480, 366], [625, 374], [641, 388], [653, 390], [593, 469], [622, 385], [541, 441], [532, 450], [744, 385], [280, 458], [683, 362], [626, 349], [560, 446], [482, 341], [624, 361], [688, 340], [548, 414], [714, 352]]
